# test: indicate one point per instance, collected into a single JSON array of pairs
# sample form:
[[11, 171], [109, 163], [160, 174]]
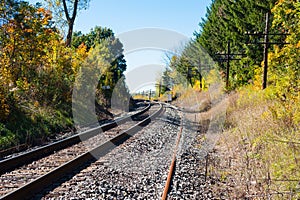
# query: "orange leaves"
[[298, 45], [82, 51], [41, 10], [28, 30], [26, 53]]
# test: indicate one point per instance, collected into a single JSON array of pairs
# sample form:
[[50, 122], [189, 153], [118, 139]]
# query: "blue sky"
[[177, 16], [124, 15]]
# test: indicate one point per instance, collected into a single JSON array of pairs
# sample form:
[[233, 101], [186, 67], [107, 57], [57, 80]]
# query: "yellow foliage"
[[40, 10], [36, 104], [262, 127], [80, 56], [4, 108], [213, 77]]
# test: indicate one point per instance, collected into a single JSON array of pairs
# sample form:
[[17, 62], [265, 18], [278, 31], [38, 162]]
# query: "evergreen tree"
[[229, 20]]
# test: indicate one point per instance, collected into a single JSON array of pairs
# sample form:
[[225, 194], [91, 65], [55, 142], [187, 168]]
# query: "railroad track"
[[187, 171], [173, 162], [40, 171], [135, 170], [28, 157]]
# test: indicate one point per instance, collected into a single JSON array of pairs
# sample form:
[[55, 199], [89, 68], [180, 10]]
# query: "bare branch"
[[66, 10], [75, 10]]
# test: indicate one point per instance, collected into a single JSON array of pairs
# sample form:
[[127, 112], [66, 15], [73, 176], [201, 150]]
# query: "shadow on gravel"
[[66, 178], [171, 121]]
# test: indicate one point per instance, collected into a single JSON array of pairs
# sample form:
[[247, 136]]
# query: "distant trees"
[[189, 68]]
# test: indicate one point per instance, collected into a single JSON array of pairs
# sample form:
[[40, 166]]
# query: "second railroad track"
[[29, 173]]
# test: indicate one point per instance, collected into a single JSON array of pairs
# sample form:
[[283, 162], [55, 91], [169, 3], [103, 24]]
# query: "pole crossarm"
[[266, 44], [232, 54], [229, 57], [258, 34], [270, 43]]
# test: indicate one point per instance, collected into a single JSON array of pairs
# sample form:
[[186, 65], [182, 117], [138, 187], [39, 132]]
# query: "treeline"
[[38, 71], [229, 21]]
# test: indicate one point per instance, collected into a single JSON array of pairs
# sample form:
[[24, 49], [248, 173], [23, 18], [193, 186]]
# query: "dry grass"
[[257, 155], [250, 159]]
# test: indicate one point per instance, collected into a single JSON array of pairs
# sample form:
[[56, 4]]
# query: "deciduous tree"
[[69, 9]]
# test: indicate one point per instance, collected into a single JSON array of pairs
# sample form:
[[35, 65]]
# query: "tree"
[[228, 20], [70, 20], [26, 33], [35, 74], [284, 60], [70, 9], [104, 36]]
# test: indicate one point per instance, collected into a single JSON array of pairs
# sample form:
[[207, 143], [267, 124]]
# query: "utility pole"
[[266, 44], [200, 75], [228, 64], [228, 57], [159, 89], [266, 47], [189, 75]]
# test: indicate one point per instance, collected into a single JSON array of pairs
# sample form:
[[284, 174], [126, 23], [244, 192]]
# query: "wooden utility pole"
[[266, 44], [200, 75], [228, 64], [266, 47], [159, 88], [228, 57]]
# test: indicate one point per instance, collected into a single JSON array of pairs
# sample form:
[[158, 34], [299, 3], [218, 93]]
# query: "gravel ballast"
[[136, 169]]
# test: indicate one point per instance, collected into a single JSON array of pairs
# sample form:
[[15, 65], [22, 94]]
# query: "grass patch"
[[260, 148], [32, 126]]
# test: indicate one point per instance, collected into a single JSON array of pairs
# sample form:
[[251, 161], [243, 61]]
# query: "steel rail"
[[172, 166], [28, 157], [38, 185]]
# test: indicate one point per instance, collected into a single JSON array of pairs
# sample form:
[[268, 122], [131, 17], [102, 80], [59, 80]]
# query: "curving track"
[[17, 160], [128, 163], [20, 182], [135, 170]]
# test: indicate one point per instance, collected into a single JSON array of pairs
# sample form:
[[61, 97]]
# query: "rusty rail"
[[172, 166]]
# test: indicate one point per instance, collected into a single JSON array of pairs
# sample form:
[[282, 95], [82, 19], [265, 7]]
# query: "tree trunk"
[[70, 33], [70, 20]]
